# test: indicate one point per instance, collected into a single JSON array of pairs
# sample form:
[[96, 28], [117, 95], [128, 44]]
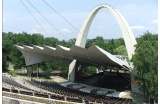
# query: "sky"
[[141, 15]]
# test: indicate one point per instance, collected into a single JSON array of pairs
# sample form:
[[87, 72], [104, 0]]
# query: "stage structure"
[[78, 56], [82, 36]]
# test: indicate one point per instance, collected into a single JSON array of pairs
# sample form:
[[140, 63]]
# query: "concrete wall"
[[8, 100]]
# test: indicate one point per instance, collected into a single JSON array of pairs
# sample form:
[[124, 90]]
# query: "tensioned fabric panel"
[[33, 56], [94, 55]]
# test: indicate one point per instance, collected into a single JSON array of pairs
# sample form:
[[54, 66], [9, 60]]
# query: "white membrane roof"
[[94, 55]]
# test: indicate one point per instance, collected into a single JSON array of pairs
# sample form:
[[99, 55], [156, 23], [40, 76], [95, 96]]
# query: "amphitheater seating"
[[13, 83], [71, 95]]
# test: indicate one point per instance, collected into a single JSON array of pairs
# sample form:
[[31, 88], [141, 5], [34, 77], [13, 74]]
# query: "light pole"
[[37, 71]]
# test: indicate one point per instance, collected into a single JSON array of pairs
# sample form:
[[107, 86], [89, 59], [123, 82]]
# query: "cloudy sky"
[[141, 15]]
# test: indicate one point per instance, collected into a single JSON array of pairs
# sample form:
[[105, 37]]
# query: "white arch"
[[82, 36], [125, 29]]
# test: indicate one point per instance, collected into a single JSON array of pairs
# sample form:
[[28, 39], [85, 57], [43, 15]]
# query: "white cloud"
[[154, 21], [65, 30], [137, 27]]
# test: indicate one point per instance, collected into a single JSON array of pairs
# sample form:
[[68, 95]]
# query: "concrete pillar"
[[19, 91], [10, 89], [71, 73], [75, 70], [33, 93], [83, 101], [49, 96], [97, 71], [65, 98]]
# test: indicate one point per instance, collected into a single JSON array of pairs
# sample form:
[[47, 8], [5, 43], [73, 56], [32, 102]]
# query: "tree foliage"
[[145, 61], [121, 50], [90, 69], [108, 45]]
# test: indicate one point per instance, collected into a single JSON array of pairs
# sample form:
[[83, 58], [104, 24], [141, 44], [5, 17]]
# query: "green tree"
[[70, 42], [108, 45], [119, 42], [4, 62], [37, 39], [121, 50], [90, 69], [145, 61], [51, 41]]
